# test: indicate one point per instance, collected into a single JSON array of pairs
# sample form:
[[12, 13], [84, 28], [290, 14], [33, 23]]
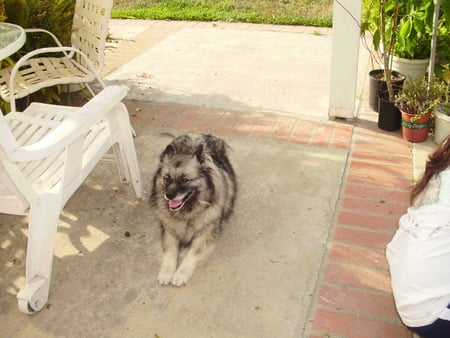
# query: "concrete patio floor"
[[302, 256], [265, 266]]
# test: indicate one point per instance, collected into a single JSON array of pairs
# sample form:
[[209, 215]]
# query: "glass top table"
[[12, 38]]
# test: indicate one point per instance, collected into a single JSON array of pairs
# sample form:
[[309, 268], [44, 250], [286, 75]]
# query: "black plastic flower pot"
[[377, 85], [389, 116]]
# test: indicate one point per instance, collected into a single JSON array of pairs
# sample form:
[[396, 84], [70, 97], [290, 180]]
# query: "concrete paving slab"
[[127, 29], [257, 283], [234, 69]]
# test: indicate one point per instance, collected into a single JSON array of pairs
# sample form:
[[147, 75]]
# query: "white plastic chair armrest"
[[72, 128], [7, 140]]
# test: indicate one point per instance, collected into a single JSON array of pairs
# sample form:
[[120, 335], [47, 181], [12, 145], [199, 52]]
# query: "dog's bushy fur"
[[194, 190]]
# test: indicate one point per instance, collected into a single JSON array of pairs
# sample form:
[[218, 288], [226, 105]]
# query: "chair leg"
[[128, 150], [42, 228], [121, 163]]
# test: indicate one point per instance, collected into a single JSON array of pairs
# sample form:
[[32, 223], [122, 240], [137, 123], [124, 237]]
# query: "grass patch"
[[281, 12]]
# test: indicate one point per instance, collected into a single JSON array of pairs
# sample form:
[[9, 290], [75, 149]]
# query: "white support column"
[[344, 58]]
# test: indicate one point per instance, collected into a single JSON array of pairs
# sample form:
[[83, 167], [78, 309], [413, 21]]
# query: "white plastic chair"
[[46, 153], [81, 63]]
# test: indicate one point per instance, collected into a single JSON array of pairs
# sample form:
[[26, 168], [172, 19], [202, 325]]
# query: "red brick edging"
[[354, 297]]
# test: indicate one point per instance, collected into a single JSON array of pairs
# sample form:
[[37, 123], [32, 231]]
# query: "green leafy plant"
[[2, 11], [407, 28], [415, 29], [380, 19], [411, 27], [442, 67], [418, 97], [53, 15], [404, 29]]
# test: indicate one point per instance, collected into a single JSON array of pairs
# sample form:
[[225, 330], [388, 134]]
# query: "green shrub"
[[53, 15], [2, 11]]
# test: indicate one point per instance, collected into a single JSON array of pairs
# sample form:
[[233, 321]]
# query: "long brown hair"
[[438, 161]]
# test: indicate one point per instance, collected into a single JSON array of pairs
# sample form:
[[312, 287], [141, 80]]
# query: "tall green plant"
[[53, 15], [18, 11], [415, 29], [388, 44], [442, 66], [2, 11], [406, 31]]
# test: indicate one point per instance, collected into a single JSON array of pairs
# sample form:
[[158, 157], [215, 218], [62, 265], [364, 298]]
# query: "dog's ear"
[[200, 153], [170, 150], [216, 146], [181, 145], [218, 151]]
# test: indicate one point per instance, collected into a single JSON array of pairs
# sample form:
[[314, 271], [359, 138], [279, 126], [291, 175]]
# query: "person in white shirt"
[[419, 253]]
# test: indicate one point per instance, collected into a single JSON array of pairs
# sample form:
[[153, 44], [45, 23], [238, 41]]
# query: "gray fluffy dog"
[[194, 190]]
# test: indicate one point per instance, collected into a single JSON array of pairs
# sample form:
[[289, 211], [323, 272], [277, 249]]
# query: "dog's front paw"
[[165, 277], [181, 277]]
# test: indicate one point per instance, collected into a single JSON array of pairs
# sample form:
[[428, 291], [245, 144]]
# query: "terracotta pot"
[[417, 130]]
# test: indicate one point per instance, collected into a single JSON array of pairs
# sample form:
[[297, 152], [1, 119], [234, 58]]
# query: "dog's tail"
[[166, 134]]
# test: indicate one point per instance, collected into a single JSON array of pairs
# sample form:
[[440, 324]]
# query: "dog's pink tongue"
[[175, 203]]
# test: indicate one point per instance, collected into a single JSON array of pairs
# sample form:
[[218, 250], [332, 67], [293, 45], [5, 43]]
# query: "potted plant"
[[407, 31], [416, 101], [442, 61], [412, 47], [380, 20]]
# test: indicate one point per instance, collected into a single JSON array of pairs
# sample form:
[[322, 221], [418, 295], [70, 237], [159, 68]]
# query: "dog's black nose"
[[171, 194]]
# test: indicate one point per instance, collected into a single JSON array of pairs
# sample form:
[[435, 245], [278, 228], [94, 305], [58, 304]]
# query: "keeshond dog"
[[194, 191]]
